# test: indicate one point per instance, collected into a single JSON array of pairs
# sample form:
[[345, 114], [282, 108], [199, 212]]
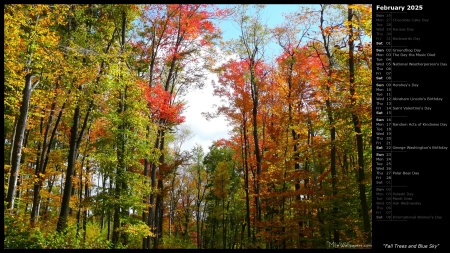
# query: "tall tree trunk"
[[331, 122], [85, 211], [120, 181], [172, 204], [120, 170], [255, 99], [64, 213], [198, 203], [152, 207], [296, 151], [333, 172], [108, 212], [246, 177], [81, 186], [359, 137], [36, 180], [80, 199], [159, 195], [102, 224], [146, 199], [74, 144], [18, 140]]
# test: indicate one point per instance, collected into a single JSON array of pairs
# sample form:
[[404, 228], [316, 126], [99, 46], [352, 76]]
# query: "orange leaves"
[[98, 129], [208, 26]]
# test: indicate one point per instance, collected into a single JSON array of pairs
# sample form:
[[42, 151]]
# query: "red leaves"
[[161, 104], [191, 20], [204, 42]]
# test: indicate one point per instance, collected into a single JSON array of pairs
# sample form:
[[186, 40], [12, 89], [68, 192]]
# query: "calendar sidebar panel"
[[410, 125]]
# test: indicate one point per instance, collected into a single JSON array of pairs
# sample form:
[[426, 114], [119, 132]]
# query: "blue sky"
[[272, 15]]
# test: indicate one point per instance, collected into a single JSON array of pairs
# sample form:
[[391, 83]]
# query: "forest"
[[93, 137]]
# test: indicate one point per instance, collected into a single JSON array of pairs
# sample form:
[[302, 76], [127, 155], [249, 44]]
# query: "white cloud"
[[199, 101], [204, 131]]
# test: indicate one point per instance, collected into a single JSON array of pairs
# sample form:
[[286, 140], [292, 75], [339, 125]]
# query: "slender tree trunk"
[[331, 122], [159, 196], [120, 171], [246, 178], [198, 204], [74, 144], [85, 211], [80, 198], [255, 100], [120, 182], [333, 172], [81, 186], [102, 224], [296, 151], [108, 212], [257, 149], [64, 213], [359, 137], [36, 180], [172, 204], [152, 208], [224, 227], [146, 198]]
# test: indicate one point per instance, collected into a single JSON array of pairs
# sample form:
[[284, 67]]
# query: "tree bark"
[[246, 176], [359, 137], [62, 221], [255, 98], [18, 140]]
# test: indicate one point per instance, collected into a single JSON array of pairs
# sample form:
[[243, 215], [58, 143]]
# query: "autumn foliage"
[[160, 104], [94, 133]]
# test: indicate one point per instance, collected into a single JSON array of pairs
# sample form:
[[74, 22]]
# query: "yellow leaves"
[[362, 17], [6, 168], [138, 230], [38, 178], [30, 39]]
